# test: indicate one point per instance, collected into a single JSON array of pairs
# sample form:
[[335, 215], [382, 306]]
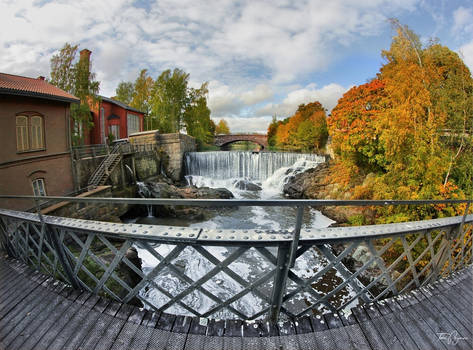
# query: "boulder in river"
[[246, 185]]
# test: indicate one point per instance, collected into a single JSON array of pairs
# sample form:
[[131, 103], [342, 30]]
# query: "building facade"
[[116, 119], [35, 139]]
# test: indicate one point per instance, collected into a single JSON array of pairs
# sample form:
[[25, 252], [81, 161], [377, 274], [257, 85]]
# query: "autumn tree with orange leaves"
[[305, 131], [410, 127]]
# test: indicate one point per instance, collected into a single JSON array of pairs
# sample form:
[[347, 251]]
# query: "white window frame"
[[39, 188], [37, 133], [22, 137], [114, 129], [132, 123], [102, 125]]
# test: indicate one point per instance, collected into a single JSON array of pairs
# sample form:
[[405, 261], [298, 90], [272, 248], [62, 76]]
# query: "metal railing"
[[87, 151], [292, 272], [101, 174], [92, 151]]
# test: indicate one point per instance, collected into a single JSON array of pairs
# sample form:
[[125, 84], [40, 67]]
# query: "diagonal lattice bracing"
[[333, 268]]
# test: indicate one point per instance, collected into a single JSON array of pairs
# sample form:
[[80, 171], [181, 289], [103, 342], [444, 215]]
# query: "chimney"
[[40, 77], [85, 57], [85, 54]]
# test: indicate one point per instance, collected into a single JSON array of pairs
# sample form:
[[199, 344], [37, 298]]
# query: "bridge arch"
[[222, 140]]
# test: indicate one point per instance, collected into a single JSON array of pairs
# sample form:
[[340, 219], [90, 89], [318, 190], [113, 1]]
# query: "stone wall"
[[172, 145], [167, 156], [147, 165], [175, 145], [84, 168]]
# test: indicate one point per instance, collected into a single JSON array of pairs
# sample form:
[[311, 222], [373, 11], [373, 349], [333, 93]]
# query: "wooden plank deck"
[[38, 313]]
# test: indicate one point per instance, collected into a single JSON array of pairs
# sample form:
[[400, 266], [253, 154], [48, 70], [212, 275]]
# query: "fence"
[[245, 274], [87, 151]]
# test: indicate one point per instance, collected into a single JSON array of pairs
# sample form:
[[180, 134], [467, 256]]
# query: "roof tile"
[[18, 84]]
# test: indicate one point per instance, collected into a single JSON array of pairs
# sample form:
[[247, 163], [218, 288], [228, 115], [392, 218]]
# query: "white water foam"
[[251, 265]]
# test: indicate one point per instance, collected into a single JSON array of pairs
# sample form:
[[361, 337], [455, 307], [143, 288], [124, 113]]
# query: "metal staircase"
[[103, 171]]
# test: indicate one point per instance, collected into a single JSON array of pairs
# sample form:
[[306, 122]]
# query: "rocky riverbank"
[[166, 189], [314, 184]]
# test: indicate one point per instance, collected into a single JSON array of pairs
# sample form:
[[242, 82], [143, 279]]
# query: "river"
[[236, 171]]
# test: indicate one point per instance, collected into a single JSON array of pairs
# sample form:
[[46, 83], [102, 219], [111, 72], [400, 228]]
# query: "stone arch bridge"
[[222, 140]]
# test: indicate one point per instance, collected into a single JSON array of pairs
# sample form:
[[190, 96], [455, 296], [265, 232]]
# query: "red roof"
[[18, 85]]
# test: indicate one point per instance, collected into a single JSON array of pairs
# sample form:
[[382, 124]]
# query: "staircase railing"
[[101, 174]]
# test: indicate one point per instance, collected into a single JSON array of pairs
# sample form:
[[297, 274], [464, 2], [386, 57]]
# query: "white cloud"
[[463, 20], [466, 52], [282, 39], [253, 52], [328, 96], [247, 124], [260, 93]]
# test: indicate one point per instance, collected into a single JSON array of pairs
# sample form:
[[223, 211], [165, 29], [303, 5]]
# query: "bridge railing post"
[[285, 261]]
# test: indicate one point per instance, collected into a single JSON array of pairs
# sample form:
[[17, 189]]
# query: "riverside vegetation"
[[405, 134]]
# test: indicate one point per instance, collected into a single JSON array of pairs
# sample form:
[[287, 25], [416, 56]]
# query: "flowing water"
[[265, 174]]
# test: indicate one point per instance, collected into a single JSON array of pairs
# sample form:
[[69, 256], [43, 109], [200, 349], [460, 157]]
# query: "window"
[[22, 138], [115, 131], [133, 123], [38, 187], [29, 133], [102, 125], [37, 139]]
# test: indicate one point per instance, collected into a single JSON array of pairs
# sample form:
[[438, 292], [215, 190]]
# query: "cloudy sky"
[[261, 58]]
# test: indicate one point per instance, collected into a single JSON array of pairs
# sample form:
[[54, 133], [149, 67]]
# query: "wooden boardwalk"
[[37, 312]]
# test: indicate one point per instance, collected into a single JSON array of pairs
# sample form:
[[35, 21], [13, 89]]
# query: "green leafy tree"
[[197, 115], [141, 98], [76, 77], [63, 73], [124, 92], [222, 127], [170, 99], [272, 129], [177, 107]]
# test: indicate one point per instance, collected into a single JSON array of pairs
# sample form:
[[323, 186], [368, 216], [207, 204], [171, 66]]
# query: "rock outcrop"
[[166, 190], [313, 184]]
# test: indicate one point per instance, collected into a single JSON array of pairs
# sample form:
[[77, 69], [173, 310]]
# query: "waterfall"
[[253, 166], [144, 192]]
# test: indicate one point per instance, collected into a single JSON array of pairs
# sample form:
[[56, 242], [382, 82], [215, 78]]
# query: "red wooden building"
[[114, 118]]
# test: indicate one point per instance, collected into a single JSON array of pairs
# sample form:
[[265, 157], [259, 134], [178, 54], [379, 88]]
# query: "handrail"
[[240, 202], [286, 279]]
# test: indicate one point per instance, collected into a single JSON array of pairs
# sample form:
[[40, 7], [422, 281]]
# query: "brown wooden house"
[[35, 139]]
